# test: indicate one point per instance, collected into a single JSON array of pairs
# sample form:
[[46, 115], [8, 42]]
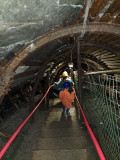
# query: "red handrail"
[[2, 152], [97, 146], [100, 153]]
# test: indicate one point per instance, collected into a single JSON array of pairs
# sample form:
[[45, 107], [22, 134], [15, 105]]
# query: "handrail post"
[[79, 73], [79, 76], [48, 83]]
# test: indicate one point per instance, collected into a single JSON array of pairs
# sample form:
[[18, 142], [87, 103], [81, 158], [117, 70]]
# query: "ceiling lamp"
[[70, 65]]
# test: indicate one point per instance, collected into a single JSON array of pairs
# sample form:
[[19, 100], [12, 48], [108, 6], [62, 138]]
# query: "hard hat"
[[64, 74], [66, 84]]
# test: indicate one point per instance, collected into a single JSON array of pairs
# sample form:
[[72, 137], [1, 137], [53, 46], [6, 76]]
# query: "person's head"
[[64, 74], [66, 84]]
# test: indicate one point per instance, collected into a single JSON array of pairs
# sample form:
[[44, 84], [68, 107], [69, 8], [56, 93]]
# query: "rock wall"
[[22, 21]]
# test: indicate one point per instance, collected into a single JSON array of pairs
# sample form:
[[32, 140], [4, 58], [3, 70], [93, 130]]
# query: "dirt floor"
[[22, 146]]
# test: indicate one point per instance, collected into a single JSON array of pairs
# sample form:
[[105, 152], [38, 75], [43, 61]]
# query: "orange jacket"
[[66, 98]]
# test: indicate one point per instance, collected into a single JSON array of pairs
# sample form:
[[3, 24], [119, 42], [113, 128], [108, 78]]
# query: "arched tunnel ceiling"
[[43, 34]]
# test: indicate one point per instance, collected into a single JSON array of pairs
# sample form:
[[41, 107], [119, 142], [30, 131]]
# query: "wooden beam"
[[117, 19], [111, 49], [80, 15], [97, 7], [111, 12], [29, 63], [115, 71], [94, 59], [27, 73]]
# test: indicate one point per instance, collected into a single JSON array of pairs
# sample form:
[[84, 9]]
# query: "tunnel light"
[[70, 65]]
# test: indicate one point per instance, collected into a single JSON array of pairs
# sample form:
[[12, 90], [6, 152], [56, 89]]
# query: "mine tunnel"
[[39, 40]]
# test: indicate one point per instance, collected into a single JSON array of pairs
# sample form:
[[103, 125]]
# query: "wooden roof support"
[[27, 73], [111, 12], [94, 59], [117, 19], [103, 72], [29, 63], [97, 7], [80, 15], [103, 46]]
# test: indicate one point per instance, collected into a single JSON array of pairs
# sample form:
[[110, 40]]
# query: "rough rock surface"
[[22, 21]]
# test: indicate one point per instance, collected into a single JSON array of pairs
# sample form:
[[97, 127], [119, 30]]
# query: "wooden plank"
[[80, 14], [111, 12], [28, 63], [117, 19], [97, 6], [24, 74], [103, 72]]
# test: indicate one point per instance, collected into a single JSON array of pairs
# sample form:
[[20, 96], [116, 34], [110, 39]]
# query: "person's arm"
[[57, 85], [58, 81]]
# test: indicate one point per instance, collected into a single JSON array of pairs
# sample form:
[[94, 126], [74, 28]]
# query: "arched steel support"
[[8, 70]]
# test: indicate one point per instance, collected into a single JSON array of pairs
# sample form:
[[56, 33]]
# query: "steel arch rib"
[[7, 72]]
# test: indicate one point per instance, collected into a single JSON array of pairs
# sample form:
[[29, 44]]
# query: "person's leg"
[[63, 108], [67, 111]]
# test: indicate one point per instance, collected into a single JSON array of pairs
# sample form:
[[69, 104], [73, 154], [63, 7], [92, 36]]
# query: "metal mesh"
[[101, 104]]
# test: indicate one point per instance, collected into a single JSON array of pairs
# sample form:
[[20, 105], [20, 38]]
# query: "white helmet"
[[65, 74]]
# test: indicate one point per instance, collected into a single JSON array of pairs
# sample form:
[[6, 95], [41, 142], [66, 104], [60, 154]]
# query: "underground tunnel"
[[39, 41]]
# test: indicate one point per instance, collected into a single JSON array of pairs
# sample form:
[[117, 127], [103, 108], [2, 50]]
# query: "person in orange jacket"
[[66, 97]]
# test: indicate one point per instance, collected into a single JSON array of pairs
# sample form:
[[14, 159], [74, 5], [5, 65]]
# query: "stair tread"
[[62, 132], [62, 118], [72, 154], [64, 124], [63, 143]]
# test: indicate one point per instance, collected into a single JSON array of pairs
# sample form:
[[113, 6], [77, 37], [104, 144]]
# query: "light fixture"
[[70, 65]]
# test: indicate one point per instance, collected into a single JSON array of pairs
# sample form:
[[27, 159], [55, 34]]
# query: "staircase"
[[64, 138]]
